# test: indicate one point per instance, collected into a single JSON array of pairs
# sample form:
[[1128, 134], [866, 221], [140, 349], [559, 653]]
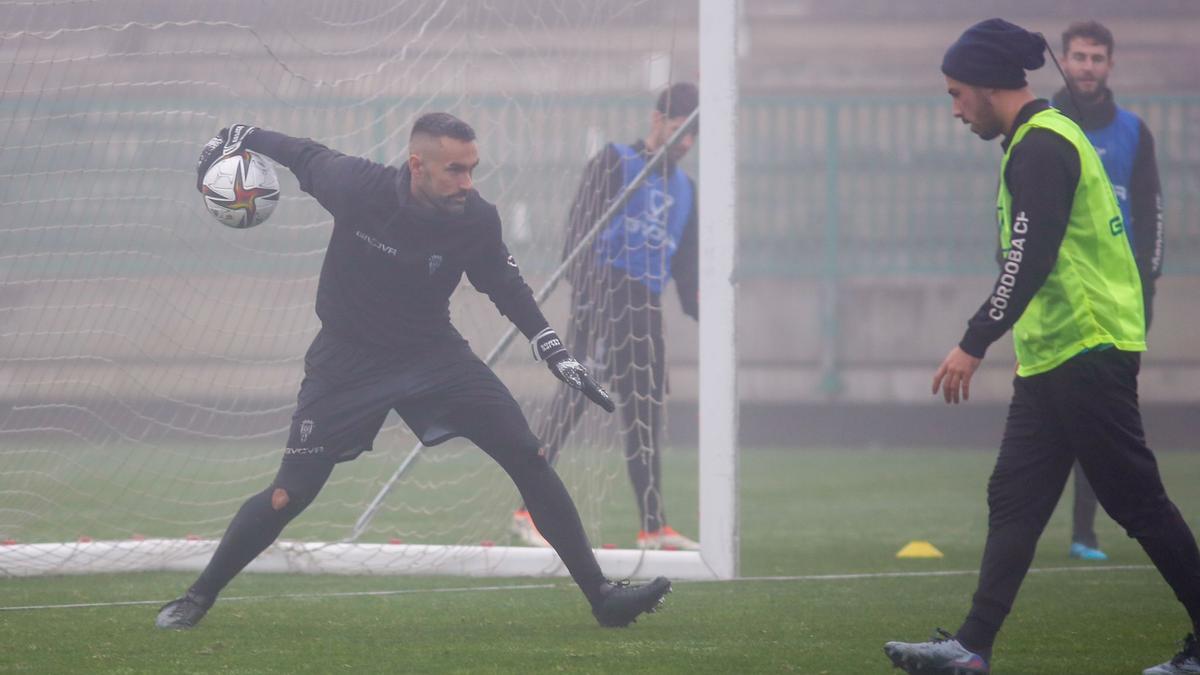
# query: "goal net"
[[150, 358]]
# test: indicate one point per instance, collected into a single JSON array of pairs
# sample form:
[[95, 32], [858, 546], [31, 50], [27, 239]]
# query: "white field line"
[[948, 573], [294, 596], [529, 587]]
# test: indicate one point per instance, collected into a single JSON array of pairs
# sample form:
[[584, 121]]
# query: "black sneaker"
[[621, 603], [1186, 662], [183, 612], [941, 655]]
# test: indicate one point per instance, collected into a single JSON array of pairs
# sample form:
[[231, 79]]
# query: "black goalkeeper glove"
[[228, 141], [549, 348]]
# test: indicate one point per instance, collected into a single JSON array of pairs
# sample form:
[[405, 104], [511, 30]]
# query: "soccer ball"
[[241, 190]]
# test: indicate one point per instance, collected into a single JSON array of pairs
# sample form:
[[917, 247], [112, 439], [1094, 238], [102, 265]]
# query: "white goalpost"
[[718, 323], [148, 355]]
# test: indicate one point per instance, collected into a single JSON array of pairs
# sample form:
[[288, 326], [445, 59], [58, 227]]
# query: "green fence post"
[[831, 379]]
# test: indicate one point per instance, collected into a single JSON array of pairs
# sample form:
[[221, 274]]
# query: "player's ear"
[[414, 164]]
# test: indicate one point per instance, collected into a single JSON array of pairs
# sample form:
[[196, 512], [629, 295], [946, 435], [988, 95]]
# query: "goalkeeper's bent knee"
[[297, 485]]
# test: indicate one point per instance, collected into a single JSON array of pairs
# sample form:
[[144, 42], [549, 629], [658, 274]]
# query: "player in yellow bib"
[[1069, 290]]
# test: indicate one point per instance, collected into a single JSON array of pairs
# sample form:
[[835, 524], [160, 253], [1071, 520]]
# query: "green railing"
[[830, 187], [890, 186]]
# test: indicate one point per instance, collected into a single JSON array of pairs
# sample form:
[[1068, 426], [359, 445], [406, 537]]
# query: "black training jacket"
[[392, 263]]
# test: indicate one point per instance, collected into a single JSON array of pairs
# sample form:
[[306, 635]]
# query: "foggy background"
[[865, 218]]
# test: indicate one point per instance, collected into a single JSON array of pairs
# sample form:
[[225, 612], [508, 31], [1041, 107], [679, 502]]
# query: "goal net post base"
[[298, 557], [152, 356]]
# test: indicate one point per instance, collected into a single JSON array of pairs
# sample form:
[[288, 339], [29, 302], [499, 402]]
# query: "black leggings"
[[1083, 528], [260, 520], [500, 430]]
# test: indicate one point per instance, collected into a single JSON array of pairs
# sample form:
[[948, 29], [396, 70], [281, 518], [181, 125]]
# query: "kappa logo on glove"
[[546, 344], [237, 134], [549, 348]]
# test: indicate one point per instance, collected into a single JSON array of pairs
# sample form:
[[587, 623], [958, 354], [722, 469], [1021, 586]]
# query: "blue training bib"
[[643, 237], [1117, 145]]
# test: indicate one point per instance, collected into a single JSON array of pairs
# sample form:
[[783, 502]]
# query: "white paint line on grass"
[[292, 596], [947, 573], [529, 587]]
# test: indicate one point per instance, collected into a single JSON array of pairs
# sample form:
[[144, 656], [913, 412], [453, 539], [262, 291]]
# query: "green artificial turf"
[[819, 516]]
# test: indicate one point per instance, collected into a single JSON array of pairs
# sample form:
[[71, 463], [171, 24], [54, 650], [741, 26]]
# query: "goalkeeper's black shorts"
[[350, 387]]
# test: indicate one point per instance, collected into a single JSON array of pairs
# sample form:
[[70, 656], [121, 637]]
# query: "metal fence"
[[831, 187], [890, 186]]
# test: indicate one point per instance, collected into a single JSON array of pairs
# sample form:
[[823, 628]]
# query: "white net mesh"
[[149, 358]]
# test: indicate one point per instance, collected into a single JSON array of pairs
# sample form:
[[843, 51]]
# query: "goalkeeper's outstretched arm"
[[336, 180]]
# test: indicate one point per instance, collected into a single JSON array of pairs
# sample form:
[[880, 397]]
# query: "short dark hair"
[[441, 125], [678, 100], [1089, 30]]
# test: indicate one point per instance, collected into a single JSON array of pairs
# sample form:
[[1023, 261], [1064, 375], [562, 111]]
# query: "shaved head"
[[442, 124], [442, 157], [424, 145]]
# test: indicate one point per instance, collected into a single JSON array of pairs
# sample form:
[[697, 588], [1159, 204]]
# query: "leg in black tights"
[[637, 375], [501, 431], [1083, 530], [260, 520]]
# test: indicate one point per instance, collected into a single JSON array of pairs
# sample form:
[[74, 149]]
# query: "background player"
[[1126, 149], [616, 304], [402, 239]]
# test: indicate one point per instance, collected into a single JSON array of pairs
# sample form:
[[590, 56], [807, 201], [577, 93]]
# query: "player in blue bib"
[[616, 304], [1126, 149]]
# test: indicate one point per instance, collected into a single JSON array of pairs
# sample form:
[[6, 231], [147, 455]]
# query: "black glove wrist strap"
[[237, 136], [546, 344]]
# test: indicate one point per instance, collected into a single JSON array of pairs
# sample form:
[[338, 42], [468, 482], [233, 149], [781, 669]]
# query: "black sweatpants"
[[1083, 513], [1085, 410], [616, 329]]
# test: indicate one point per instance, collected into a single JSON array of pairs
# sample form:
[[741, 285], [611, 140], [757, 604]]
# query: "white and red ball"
[[241, 190]]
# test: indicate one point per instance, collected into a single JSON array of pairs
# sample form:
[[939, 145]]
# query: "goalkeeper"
[[616, 309], [402, 239]]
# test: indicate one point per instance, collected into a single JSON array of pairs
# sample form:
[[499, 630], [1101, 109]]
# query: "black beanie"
[[994, 54]]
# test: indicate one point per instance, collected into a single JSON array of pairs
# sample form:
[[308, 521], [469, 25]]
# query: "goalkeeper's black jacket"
[[392, 263]]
